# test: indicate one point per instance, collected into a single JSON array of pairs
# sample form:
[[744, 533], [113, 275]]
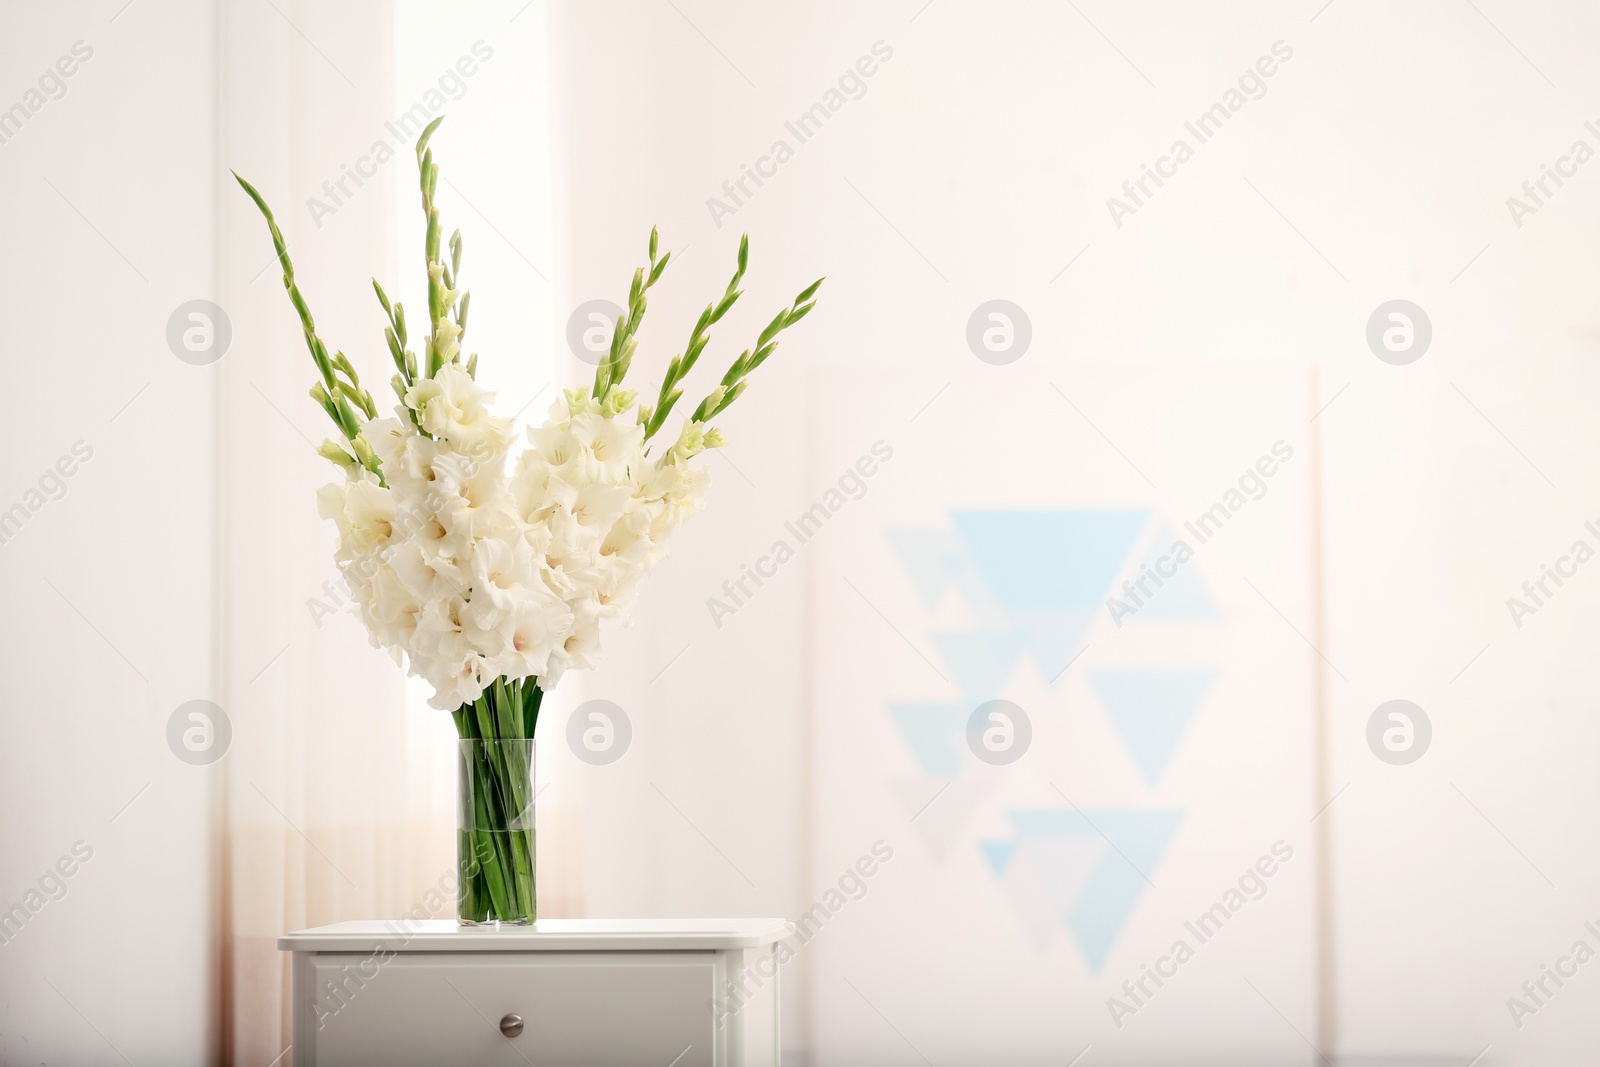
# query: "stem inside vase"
[[495, 842]]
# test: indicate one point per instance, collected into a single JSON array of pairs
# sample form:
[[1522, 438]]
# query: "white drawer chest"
[[560, 993]]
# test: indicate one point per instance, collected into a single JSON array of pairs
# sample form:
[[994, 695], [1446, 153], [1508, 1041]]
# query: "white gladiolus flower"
[[480, 569], [613, 444], [452, 407], [536, 627], [472, 573], [406, 455], [503, 576]]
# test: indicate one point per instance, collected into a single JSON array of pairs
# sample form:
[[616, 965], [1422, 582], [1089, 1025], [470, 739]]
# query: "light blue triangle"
[[1141, 836], [999, 854], [936, 735], [1049, 559], [931, 558], [982, 660], [1065, 867], [1107, 902], [1057, 637], [1138, 840], [1184, 595], [1151, 710]]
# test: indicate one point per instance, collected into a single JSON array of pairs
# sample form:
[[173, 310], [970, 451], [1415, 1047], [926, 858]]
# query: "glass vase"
[[495, 838]]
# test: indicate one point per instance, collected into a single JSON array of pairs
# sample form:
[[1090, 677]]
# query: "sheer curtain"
[[339, 800], [484, 64]]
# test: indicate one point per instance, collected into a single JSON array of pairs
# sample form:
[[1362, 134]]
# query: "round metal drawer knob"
[[511, 1025]]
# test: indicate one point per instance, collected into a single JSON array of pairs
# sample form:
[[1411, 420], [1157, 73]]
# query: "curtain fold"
[[338, 802], [339, 797]]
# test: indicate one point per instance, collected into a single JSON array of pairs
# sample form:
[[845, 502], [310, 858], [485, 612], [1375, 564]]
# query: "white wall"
[[979, 164], [108, 616], [647, 122], [717, 714]]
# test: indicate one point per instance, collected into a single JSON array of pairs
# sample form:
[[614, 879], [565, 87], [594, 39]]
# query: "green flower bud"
[[619, 400], [334, 451]]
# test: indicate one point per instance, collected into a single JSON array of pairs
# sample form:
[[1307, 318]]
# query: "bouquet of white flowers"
[[490, 579]]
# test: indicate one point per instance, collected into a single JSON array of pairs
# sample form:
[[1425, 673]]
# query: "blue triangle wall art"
[[1091, 865], [1040, 576], [1180, 597], [1152, 711]]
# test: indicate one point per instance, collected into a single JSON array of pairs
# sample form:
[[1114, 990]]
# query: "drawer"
[[592, 1009]]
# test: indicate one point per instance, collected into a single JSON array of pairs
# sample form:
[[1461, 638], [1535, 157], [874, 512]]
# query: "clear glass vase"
[[495, 839]]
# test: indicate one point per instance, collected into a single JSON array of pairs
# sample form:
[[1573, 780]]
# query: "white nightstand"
[[654, 992]]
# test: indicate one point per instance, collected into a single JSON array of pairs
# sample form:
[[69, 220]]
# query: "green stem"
[[333, 395], [503, 885], [614, 367], [682, 364], [493, 870]]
